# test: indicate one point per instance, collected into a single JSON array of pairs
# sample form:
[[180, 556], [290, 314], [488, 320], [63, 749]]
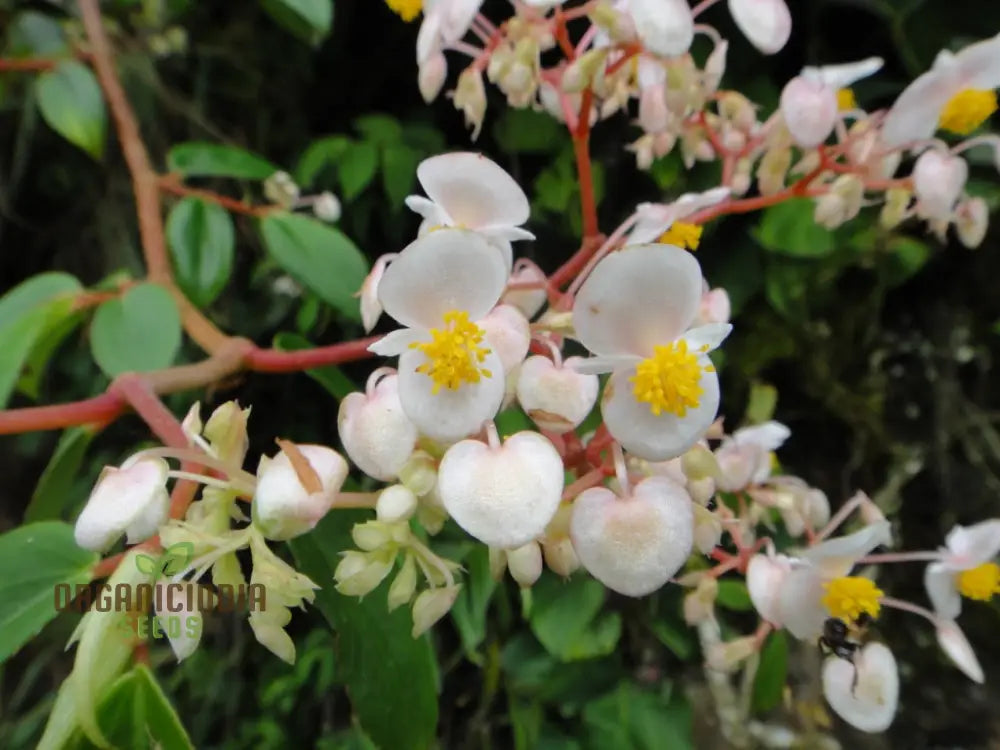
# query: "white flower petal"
[[396, 342], [809, 109], [864, 694], [130, 498], [915, 113], [449, 415], [800, 603], [637, 298], [652, 437], [837, 556], [665, 27], [973, 545], [475, 191], [765, 578], [449, 269], [458, 15], [954, 643], [709, 336], [939, 580], [766, 23], [979, 64], [601, 365], [770, 435], [429, 36], [428, 209], [844, 75]]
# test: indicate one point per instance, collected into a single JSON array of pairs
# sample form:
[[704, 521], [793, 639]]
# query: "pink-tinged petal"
[[767, 24], [636, 299], [449, 269], [915, 113], [864, 693], [954, 643], [800, 604], [707, 338], [939, 580], [765, 578], [652, 220], [970, 546], [508, 333], [665, 27], [979, 64], [838, 556], [475, 191], [396, 342], [449, 415], [770, 435], [844, 75], [458, 15], [429, 36], [689, 203], [656, 437], [938, 181], [809, 109]]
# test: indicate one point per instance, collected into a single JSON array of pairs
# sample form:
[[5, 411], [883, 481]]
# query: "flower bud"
[[281, 189], [404, 585], [431, 605], [395, 503], [371, 535], [528, 301], [772, 170], [636, 543], [525, 564], [296, 488], [360, 573], [700, 604], [470, 98], [376, 433], [653, 113], [726, 656], [131, 500], [957, 647], [701, 490], [419, 473], [504, 495], [557, 398], [707, 529], [897, 201], [809, 109], [971, 221], [714, 307], [938, 180], [561, 556], [508, 333], [326, 208], [767, 24], [699, 462], [431, 76], [226, 432]]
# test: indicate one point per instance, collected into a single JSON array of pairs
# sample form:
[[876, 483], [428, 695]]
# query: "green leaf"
[[632, 718], [909, 255], [525, 131], [382, 130], [202, 241], [197, 159], [317, 256], [35, 558], [675, 636], [512, 420], [70, 100], [769, 682], [567, 618], [309, 20], [139, 331], [391, 677], [53, 492], [34, 34], [331, 377], [321, 154], [30, 314], [357, 168], [733, 595], [399, 172], [761, 403], [789, 228], [135, 713], [469, 610]]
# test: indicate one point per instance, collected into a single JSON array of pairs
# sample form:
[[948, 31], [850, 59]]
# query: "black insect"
[[843, 639]]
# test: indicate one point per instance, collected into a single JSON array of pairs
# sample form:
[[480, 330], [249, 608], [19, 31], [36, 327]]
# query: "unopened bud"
[[772, 170], [360, 573], [131, 500], [525, 564], [431, 76], [419, 473], [326, 207], [431, 605], [700, 604], [560, 556], [971, 221], [728, 655], [699, 462], [707, 529], [470, 98], [296, 488], [281, 189], [404, 585], [395, 503], [897, 201]]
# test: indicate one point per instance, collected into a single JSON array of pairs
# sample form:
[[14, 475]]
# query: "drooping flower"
[[767, 24], [440, 288], [810, 102], [938, 181], [130, 500], [376, 433], [745, 456], [967, 569], [653, 219], [665, 27], [469, 191], [956, 94], [634, 312]]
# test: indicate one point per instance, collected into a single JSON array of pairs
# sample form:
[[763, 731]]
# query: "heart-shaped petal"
[[864, 694], [556, 398], [634, 544], [376, 433]]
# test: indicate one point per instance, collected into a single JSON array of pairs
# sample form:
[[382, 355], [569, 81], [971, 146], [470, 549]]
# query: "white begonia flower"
[[469, 191], [938, 180], [634, 544], [440, 287], [445, 22], [665, 27], [633, 312], [653, 219], [503, 495], [800, 608], [130, 500], [767, 24], [956, 94], [809, 101], [967, 568], [956, 646], [296, 488], [376, 433], [556, 397], [745, 457], [864, 693]]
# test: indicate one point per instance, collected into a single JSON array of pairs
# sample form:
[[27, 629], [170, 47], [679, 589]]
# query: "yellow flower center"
[[980, 583], [967, 110], [846, 100], [454, 352], [405, 9], [683, 235], [668, 381], [846, 598]]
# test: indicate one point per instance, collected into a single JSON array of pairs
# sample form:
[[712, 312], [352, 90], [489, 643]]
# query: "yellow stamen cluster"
[[683, 235], [980, 583], [405, 9], [668, 381], [846, 100], [967, 110], [454, 352], [846, 598]]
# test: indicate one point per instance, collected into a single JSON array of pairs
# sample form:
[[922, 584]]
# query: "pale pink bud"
[[634, 544], [954, 643], [707, 529], [508, 333], [376, 433], [557, 398], [296, 488], [938, 180], [971, 221], [525, 564], [528, 301], [653, 113], [132, 500], [431, 76], [714, 307], [766, 23], [809, 109]]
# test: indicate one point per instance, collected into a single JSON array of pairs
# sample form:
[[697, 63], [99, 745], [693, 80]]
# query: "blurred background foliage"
[[879, 347]]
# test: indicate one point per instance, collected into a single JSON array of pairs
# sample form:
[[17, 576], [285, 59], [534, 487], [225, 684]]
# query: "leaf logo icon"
[[172, 561]]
